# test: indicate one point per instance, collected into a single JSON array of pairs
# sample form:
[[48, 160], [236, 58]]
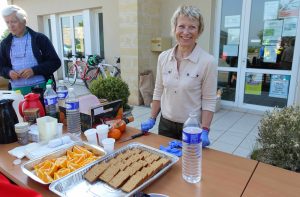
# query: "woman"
[[186, 79], [28, 58]]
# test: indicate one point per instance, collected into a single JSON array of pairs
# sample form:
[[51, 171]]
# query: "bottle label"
[[61, 95], [191, 137], [50, 101], [72, 105]]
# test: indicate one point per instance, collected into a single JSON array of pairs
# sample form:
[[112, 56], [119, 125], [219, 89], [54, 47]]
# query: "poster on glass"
[[279, 86], [253, 83], [288, 8]]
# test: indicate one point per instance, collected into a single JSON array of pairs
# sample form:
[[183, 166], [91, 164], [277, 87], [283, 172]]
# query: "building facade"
[[249, 38]]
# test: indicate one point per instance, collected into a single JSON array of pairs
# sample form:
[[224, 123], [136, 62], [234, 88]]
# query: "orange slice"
[[51, 171], [43, 176], [61, 173], [73, 166], [61, 162], [44, 165]]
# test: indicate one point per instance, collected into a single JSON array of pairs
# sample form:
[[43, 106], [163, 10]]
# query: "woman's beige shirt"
[[191, 88]]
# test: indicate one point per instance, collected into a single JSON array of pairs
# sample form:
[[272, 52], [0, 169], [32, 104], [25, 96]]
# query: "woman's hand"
[[14, 75], [26, 73]]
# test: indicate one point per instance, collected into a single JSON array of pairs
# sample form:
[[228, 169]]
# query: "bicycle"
[[98, 68], [78, 67]]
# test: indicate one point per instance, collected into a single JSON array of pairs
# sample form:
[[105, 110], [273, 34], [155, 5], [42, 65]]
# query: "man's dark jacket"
[[43, 51]]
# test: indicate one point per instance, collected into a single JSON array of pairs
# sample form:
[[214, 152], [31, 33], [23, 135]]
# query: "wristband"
[[205, 129]]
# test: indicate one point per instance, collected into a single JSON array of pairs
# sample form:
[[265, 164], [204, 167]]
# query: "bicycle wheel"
[[91, 75], [72, 74]]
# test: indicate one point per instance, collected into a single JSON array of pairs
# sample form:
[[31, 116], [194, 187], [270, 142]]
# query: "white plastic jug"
[[17, 97]]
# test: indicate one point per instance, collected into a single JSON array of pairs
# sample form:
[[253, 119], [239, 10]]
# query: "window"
[[101, 34], [79, 38]]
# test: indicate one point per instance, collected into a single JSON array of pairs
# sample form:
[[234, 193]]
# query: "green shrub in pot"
[[111, 88], [279, 138]]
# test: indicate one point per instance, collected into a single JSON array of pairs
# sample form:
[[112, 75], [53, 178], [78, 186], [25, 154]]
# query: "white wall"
[[37, 8]]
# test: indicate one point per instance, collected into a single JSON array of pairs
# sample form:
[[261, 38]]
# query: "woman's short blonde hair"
[[20, 13], [190, 11]]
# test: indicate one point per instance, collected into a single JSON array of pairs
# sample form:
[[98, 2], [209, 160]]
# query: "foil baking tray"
[[75, 185], [28, 167]]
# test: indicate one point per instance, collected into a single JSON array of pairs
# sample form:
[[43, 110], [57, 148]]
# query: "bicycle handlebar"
[[78, 55]]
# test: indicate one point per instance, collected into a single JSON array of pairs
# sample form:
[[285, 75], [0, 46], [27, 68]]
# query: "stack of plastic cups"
[[22, 130], [102, 131], [91, 136]]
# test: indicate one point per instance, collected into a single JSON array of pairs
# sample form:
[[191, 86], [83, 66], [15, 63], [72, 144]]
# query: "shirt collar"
[[25, 32], [193, 57]]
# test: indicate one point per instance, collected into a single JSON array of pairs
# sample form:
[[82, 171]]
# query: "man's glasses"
[[19, 54]]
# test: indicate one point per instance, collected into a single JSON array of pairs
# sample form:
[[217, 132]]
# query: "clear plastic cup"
[[102, 131], [108, 144], [91, 136], [59, 130]]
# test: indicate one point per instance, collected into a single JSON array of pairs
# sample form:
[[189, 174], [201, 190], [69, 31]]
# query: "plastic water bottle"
[[73, 114], [62, 92], [50, 100], [191, 149]]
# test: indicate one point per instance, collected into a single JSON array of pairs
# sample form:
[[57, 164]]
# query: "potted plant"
[[111, 88], [279, 138]]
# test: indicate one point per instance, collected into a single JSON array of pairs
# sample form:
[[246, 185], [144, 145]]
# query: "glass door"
[[229, 49], [270, 41], [259, 43]]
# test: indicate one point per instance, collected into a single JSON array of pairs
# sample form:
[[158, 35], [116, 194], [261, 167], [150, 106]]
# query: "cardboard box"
[[99, 114]]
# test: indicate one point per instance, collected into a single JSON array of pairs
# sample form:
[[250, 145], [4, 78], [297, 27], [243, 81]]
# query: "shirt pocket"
[[167, 76], [192, 80]]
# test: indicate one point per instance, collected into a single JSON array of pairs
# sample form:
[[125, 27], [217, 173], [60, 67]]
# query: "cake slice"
[[92, 175], [109, 173], [133, 182], [119, 179]]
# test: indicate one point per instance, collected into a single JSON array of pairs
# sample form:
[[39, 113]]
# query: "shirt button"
[[175, 91]]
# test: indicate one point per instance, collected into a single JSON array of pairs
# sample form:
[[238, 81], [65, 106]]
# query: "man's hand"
[[204, 138], [147, 125], [26, 73], [14, 75]]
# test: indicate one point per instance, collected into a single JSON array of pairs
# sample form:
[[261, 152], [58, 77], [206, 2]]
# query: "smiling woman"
[[186, 79]]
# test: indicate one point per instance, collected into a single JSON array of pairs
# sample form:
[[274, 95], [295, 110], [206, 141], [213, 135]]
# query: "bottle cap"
[[49, 82], [61, 81]]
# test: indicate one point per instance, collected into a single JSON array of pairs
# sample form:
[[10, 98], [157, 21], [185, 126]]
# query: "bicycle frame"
[[100, 70], [78, 68]]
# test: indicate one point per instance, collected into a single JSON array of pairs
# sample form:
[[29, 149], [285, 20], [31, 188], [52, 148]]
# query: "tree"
[[5, 33]]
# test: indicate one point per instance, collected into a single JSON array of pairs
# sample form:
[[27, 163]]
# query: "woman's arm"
[[206, 117], [155, 108]]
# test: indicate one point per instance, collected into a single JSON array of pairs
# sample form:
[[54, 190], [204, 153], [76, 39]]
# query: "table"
[[273, 181], [222, 174]]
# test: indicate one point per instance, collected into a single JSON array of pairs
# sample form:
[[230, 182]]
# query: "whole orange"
[[119, 124], [122, 127], [115, 133]]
